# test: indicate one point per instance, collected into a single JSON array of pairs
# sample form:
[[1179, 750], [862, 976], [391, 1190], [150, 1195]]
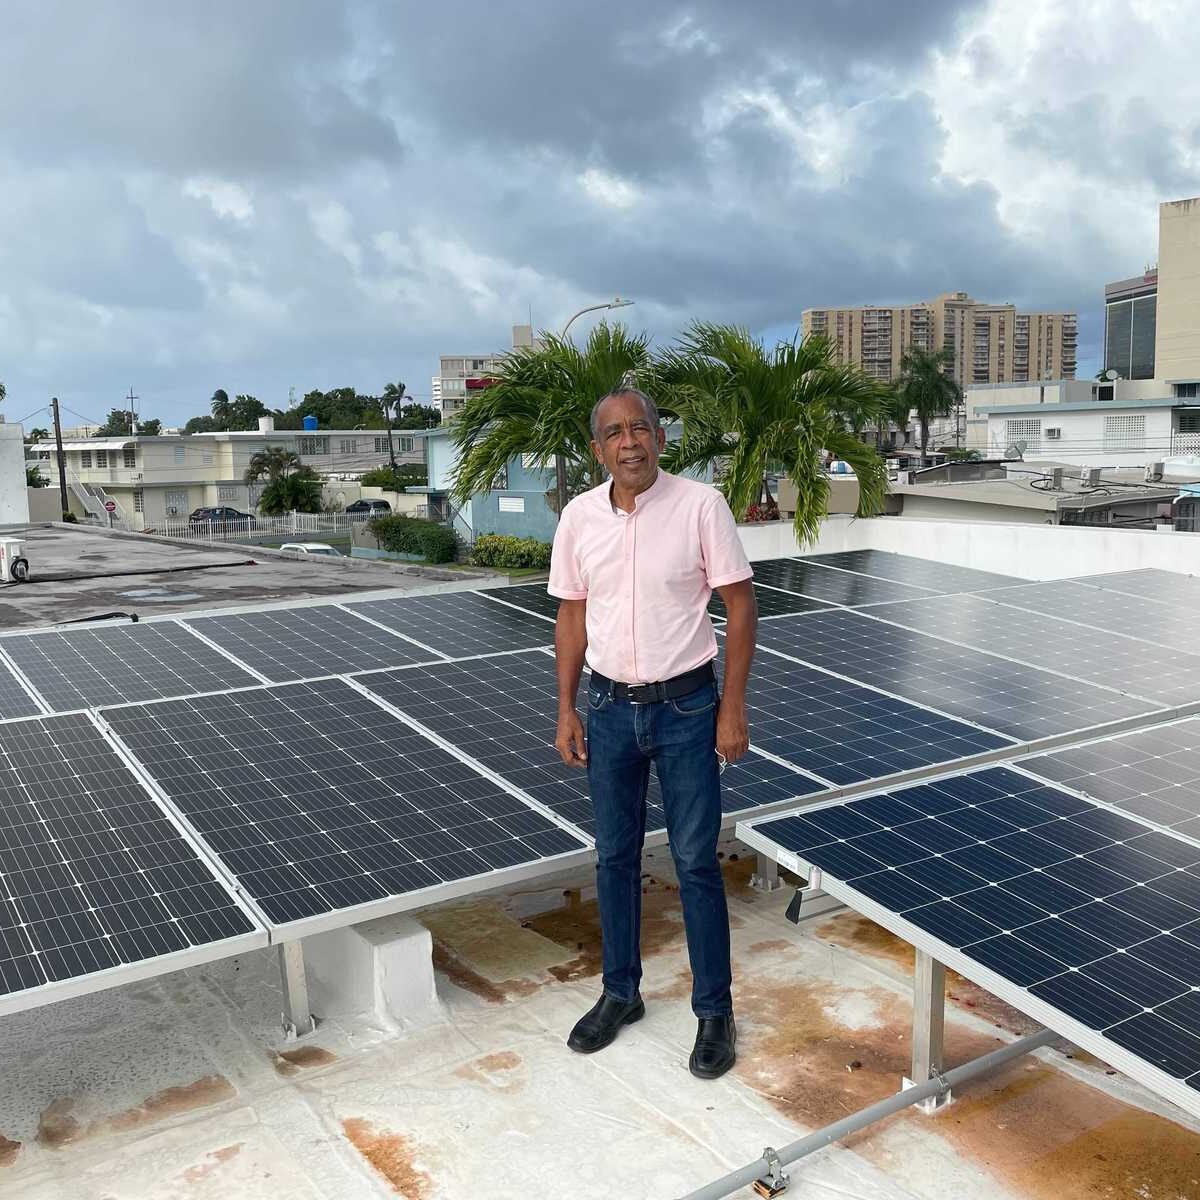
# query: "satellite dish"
[[1016, 451], [1111, 374]]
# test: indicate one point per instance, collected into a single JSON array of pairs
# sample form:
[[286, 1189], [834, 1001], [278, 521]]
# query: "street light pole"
[[560, 463]]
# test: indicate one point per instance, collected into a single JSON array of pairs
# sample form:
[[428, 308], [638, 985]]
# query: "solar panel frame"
[[1047, 959], [288, 830], [288, 644], [529, 597], [73, 669], [1135, 667], [834, 587], [1026, 703], [135, 900], [17, 698], [772, 602], [946, 578], [1168, 587], [462, 624]]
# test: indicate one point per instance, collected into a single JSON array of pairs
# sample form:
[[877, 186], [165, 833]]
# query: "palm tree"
[[222, 409], [273, 464], [925, 388], [755, 409], [895, 411], [299, 491], [394, 393], [539, 402], [36, 435]]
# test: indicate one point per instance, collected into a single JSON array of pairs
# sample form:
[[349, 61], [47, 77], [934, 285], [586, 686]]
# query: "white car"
[[312, 549]]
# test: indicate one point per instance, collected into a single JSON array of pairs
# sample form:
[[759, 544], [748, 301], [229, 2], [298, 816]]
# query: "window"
[[347, 446], [1027, 432], [479, 364], [381, 446], [532, 462], [500, 483], [407, 445], [228, 491], [85, 460], [139, 500], [102, 458], [312, 445], [180, 455], [129, 457], [207, 458], [1124, 433], [1189, 422], [1187, 391]]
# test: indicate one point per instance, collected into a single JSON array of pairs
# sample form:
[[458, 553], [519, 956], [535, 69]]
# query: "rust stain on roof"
[[8, 1151], [212, 1162], [860, 933], [494, 1071], [60, 1123], [292, 1062], [392, 1155]]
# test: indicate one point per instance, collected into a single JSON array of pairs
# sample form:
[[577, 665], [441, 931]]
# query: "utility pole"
[[387, 408], [132, 413], [61, 457]]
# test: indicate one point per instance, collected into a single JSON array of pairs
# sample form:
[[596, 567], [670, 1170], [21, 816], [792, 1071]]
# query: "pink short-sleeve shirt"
[[647, 575]]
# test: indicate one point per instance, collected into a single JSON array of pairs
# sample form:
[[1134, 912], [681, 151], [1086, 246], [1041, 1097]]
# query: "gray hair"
[[622, 390]]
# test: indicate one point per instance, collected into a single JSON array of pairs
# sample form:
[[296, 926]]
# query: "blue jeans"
[[679, 737]]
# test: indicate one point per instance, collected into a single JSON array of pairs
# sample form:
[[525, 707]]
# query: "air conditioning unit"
[[14, 566], [1154, 473], [1054, 433], [1090, 477]]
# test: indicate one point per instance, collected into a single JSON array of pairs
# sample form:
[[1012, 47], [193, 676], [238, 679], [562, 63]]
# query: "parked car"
[[312, 549], [368, 508], [220, 516]]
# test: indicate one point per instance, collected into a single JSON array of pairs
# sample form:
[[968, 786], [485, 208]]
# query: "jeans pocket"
[[597, 698], [694, 704]]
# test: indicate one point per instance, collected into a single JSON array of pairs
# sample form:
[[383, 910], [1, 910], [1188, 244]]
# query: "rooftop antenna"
[[291, 397], [132, 412]]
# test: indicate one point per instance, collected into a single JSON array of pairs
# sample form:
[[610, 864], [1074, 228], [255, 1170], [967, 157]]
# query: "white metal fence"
[[290, 526]]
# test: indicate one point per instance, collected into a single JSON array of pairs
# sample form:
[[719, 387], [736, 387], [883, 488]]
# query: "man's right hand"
[[569, 740]]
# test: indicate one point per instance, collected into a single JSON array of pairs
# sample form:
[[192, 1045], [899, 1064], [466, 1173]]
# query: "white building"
[[461, 374], [152, 480]]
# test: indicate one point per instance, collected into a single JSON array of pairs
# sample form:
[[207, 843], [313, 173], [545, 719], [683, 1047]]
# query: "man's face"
[[628, 444]]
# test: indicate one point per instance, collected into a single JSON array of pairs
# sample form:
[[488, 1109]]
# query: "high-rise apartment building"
[[1177, 332], [990, 343], [460, 374]]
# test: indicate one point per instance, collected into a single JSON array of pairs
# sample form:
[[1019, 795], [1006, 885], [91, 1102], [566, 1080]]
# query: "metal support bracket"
[[929, 1027], [297, 1019], [775, 1181], [766, 875], [812, 901]]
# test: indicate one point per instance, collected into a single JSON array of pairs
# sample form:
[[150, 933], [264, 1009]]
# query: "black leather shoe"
[[601, 1024], [714, 1052]]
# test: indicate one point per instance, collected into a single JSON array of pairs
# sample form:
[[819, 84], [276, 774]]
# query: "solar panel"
[[903, 568], [94, 877], [15, 701], [1168, 586], [283, 644], [85, 668], [846, 733], [532, 597], [1139, 668], [1167, 624], [502, 712], [1152, 773], [1019, 701], [771, 603], [835, 587], [1086, 919], [459, 624], [319, 800]]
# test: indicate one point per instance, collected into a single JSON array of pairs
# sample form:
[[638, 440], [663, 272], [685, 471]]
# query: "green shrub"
[[412, 535], [405, 475], [503, 550]]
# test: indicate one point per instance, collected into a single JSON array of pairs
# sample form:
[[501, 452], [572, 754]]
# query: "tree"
[[273, 464], [219, 406], [202, 425], [926, 389], [120, 424], [754, 410], [3, 391], [299, 491], [894, 411], [36, 435], [35, 479], [417, 416], [405, 475], [539, 402]]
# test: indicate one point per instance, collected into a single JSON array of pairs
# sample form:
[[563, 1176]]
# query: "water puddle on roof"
[[292, 1062], [158, 595], [392, 1155]]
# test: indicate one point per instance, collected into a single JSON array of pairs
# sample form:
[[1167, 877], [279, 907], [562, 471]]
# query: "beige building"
[[461, 374], [153, 480], [1177, 333], [991, 343]]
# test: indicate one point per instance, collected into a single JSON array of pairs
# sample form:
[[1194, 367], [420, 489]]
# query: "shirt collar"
[[640, 500]]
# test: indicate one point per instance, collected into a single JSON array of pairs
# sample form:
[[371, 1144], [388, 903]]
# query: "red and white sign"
[[110, 506]]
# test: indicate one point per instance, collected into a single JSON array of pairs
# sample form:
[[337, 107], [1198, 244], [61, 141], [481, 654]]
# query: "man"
[[635, 561]]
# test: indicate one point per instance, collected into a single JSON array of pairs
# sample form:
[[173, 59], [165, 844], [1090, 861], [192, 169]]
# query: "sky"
[[309, 194]]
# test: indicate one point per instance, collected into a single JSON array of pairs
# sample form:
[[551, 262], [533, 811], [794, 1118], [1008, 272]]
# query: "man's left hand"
[[733, 734]]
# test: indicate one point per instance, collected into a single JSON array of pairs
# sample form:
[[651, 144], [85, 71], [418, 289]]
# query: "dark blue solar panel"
[[846, 733], [1016, 700], [835, 587], [1045, 905], [902, 568]]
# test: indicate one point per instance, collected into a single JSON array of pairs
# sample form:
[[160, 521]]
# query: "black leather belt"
[[656, 693]]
